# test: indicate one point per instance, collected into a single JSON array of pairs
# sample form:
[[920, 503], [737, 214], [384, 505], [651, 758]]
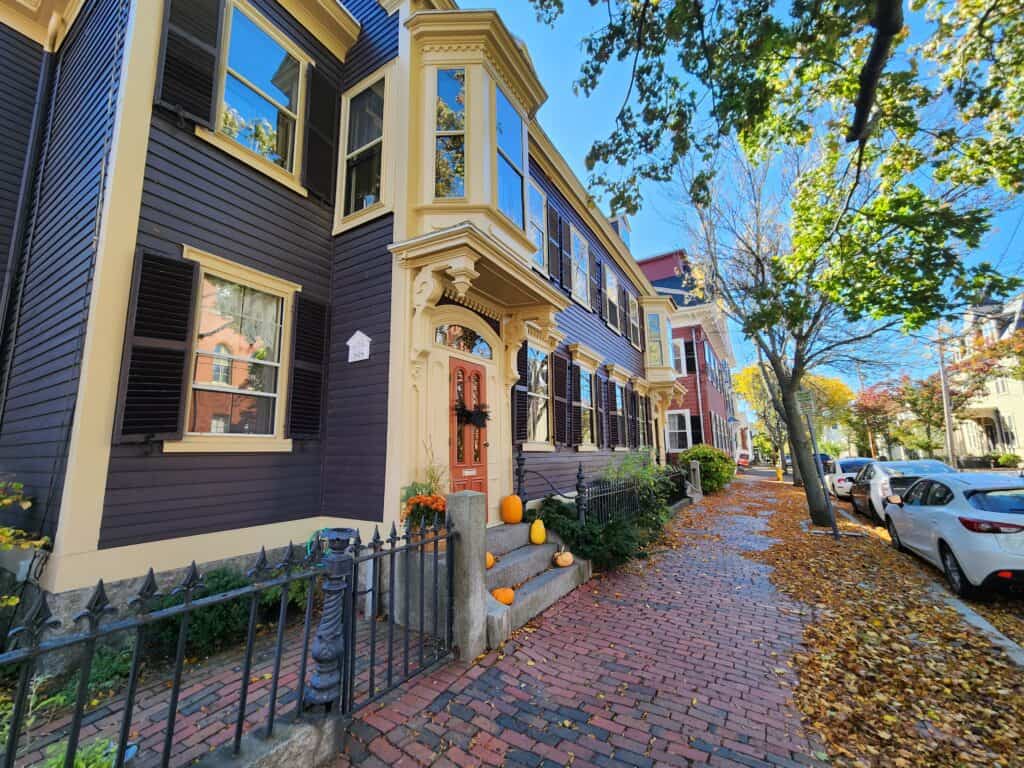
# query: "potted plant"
[[420, 513]]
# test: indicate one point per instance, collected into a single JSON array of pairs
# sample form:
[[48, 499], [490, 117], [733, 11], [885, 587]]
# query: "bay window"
[[536, 228], [450, 134], [363, 158], [655, 341], [511, 158]]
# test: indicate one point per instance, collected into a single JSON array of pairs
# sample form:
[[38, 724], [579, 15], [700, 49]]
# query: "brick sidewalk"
[[678, 663]]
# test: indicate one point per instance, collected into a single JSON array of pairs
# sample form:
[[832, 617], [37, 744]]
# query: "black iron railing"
[[349, 601]]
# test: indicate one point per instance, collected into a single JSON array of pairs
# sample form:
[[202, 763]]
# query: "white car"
[[971, 525], [880, 479], [841, 472]]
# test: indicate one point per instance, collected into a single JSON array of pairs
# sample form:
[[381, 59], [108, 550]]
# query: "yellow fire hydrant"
[[778, 474]]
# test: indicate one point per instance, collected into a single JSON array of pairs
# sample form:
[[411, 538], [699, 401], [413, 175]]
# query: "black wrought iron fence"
[[372, 617]]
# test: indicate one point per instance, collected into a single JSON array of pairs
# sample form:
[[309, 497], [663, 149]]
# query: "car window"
[[938, 495], [1009, 500], [867, 473], [916, 493], [851, 465]]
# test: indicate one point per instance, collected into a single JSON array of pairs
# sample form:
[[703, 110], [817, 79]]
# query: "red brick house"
[[702, 356]]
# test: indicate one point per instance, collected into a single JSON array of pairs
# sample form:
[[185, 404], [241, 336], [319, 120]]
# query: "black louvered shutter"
[[595, 283], [309, 353], [187, 81], [613, 419], [554, 249], [321, 135], [624, 311], [566, 255], [520, 404], [577, 410], [559, 389], [598, 272], [155, 365], [634, 423], [598, 389], [643, 332], [696, 430]]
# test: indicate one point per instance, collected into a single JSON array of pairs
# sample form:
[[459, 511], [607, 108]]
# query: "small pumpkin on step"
[[511, 510], [504, 595], [538, 533], [562, 558], [489, 561]]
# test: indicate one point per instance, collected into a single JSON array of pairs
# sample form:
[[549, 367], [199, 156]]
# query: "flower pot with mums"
[[420, 513]]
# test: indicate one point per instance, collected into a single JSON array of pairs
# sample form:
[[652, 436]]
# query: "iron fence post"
[[325, 684], [581, 495]]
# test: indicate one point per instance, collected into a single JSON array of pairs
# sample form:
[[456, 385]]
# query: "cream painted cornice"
[[658, 302], [455, 30], [558, 171], [45, 21], [328, 21], [585, 356], [617, 373], [390, 6], [713, 319], [640, 385]]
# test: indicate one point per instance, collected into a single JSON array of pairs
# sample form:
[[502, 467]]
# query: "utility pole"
[[947, 405]]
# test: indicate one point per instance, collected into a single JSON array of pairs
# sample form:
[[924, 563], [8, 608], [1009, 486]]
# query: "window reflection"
[[463, 339], [450, 126]]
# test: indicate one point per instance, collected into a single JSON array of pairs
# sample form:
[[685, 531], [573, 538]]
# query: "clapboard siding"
[[377, 43], [44, 348], [561, 466], [576, 322], [20, 59], [357, 398]]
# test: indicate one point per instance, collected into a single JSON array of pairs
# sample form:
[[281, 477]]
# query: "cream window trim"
[[289, 178], [283, 289], [434, 73], [529, 447], [587, 448], [388, 171], [585, 357]]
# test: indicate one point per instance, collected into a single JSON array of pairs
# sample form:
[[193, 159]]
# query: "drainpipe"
[[8, 313]]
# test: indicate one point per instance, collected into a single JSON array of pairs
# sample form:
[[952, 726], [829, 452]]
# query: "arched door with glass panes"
[[468, 431]]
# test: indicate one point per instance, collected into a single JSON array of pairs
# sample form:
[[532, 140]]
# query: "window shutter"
[[613, 419], [634, 423], [577, 410], [309, 352], [696, 429], [187, 81], [566, 255], [321, 135], [598, 273], [155, 365], [520, 406], [559, 388], [642, 320], [554, 250], [691, 357], [598, 389], [595, 283], [624, 311]]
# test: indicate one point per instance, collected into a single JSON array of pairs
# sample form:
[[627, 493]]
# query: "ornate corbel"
[[513, 334], [462, 273]]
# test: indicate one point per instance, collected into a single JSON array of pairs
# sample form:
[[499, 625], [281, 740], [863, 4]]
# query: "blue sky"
[[574, 122]]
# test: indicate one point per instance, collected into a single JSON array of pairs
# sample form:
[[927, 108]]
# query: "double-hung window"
[[655, 342], [237, 359], [677, 430], [611, 298], [538, 423], [450, 134], [679, 358], [536, 228], [580, 268], [363, 161], [511, 158], [587, 434], [634, 321], [263, 90], [619, 414]]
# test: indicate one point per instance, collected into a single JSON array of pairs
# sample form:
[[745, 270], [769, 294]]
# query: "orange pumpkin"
[[489, 560], [504, 595], [563, 559], [511, 510]]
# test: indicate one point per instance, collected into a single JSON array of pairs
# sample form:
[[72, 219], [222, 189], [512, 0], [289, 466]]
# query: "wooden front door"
[[468, 443]]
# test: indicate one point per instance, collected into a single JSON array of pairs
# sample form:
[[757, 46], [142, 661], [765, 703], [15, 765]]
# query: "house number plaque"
[[358, 347]]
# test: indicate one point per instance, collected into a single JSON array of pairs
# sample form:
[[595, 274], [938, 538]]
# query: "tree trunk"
[[803, 458]]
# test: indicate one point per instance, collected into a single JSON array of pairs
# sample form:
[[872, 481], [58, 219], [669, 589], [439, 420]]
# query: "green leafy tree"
[[922, 400]]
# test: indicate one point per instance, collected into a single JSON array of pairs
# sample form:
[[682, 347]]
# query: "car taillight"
[[989, 526]]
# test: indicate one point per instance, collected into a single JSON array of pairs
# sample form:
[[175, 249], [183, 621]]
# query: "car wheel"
[[955, 575], [894, 537]]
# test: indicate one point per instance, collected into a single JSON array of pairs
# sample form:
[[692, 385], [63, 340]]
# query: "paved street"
[[677, 662]]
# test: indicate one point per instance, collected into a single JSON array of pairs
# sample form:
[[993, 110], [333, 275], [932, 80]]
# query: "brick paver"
[[681, 662]]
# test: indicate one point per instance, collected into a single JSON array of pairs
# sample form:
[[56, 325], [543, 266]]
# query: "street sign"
[[805, 399]]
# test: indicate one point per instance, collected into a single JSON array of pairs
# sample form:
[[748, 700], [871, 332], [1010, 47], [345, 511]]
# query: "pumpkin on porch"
[[489, 561], [562, 559], [504, 595], [511, 510], [538, 534]]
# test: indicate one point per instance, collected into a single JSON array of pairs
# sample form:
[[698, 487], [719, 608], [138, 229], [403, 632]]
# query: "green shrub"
[[212, 628], [110, 668], [98, 753], [717, 468], [1008, 460]]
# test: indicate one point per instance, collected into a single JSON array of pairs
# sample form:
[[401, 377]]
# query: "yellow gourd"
[[562, 559], [504, 595], [511, 510], [489, 560], [538, 535]]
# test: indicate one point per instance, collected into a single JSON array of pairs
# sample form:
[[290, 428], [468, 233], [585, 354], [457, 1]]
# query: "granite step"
[[532, 598], [520, 564], [503, 538]]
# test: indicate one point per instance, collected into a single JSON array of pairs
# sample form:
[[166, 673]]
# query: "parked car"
[[971, 525], [879, 479], [839, 474], [743, 459]]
